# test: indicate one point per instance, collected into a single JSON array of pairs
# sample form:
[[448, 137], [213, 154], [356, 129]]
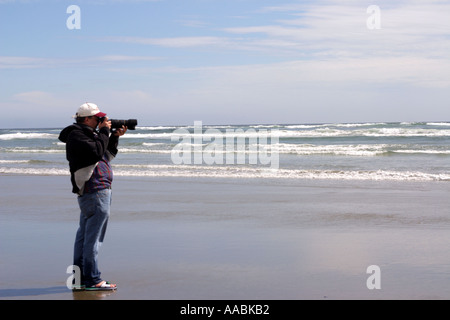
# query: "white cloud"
[[193, 23], [300, 81], [330, 29], [122, 58], [21, 62], [10, 62], [176, 42], [37, 98], [36, 109], [335, 30]]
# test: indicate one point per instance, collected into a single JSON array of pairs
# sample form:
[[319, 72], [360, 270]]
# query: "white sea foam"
[[327, 132], [27, 136], [358, 150], [339, 150], [251, 172], [323, 132], [434, 152], [246, 172], [14, 161], [31, 150], [141, 150], [440, 124], [157, 128], [304, 126], [35, 171], [152, 144]]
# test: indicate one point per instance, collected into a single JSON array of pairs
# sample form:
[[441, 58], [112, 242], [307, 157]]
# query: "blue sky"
[[169, 62]]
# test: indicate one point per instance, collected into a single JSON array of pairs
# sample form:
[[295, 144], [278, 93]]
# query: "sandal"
[[102, 286]]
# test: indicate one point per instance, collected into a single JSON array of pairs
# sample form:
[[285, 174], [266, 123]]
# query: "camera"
[[130, 124], [116, 124]]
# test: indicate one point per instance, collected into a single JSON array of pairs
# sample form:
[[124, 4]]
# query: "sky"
[[173, 62]]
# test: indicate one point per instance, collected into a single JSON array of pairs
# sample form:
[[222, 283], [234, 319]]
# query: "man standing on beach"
[[89, 151]]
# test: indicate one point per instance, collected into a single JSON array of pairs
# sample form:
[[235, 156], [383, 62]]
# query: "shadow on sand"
[[60, 292], [11, 293]]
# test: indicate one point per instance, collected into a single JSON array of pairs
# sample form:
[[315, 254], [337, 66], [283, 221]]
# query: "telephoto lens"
[[130, 124]]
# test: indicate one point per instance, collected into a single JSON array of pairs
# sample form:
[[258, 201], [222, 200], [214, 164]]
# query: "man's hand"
[[106, 123], [121, 131]]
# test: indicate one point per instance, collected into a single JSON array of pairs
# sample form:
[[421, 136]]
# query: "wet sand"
[[201, 239]]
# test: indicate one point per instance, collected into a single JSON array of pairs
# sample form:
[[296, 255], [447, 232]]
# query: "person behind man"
[[89, 151]]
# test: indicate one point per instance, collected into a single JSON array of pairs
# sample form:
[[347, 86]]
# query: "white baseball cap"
[[88, 110]]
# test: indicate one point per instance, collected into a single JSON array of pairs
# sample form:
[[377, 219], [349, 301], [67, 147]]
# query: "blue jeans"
[[95, 208]]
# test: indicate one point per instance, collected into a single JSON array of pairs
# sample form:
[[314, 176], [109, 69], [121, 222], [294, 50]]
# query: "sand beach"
[[175, 238]]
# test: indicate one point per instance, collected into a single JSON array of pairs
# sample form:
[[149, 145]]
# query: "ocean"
[[418, 151]]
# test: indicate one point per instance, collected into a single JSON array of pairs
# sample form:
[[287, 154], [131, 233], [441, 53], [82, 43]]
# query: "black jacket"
[[85, 147]]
